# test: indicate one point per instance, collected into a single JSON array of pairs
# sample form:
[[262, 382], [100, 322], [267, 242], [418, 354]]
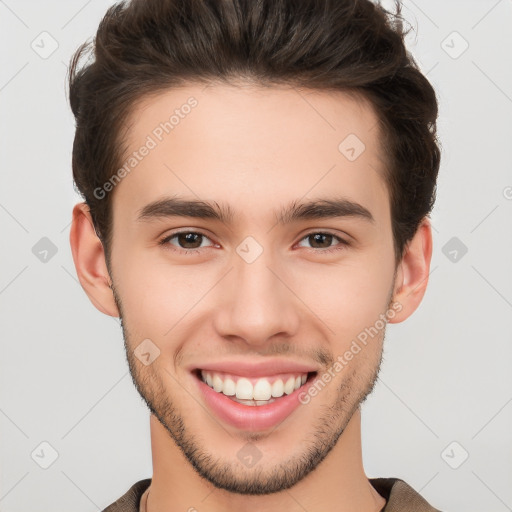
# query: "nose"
[[256, 303]]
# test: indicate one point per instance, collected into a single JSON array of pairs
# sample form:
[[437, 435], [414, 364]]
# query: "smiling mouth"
[[255, 391]]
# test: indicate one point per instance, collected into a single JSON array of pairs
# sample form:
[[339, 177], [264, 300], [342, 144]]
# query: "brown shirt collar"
[[399, 496]]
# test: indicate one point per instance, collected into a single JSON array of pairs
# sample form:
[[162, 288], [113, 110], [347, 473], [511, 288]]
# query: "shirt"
[[399, 496]]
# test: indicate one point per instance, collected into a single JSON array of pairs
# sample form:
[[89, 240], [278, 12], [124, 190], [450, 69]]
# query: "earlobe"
[[412, 274], [89, 258]]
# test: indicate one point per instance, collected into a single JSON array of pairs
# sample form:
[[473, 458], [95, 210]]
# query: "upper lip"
[[263, 368]]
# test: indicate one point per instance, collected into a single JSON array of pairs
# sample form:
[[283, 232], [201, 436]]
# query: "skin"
[[256, 149]]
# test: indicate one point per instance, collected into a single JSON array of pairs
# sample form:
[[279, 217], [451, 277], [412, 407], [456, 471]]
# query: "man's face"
[[249, 288]]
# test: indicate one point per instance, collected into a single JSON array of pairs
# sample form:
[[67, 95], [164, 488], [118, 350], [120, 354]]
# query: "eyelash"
[[340, 246]]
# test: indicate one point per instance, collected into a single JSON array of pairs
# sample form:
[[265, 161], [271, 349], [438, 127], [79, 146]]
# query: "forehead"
[[247, 144]]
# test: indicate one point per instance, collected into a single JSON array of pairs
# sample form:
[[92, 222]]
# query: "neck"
[[338, 483]]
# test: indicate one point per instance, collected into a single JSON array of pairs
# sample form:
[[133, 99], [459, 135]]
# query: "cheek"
[[157, 295], [348, 297], [342, 298]]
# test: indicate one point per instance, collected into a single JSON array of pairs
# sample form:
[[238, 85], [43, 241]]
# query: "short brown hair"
[[146, 46]]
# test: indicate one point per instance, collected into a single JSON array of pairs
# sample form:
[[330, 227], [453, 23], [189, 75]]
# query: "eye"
[[324, 240], [187, 241]]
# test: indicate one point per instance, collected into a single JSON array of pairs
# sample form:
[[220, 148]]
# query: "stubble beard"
[[231, 475]]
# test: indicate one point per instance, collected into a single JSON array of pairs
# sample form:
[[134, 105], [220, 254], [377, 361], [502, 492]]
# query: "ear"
[[89, 259], [412, 273]]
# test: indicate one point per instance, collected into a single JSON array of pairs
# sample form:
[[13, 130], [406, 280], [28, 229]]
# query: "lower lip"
[[247, 417]]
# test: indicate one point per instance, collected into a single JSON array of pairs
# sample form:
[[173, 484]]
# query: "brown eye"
[[320, 240], [324, 242], [185, 240], [189, 240]]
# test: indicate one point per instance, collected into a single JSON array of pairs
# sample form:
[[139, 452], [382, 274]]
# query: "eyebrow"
[[324, 208]]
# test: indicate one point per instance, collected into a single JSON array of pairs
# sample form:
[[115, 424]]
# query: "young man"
[[257, 178]]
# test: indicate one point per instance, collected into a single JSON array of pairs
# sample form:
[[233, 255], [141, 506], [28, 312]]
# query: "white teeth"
[[244, 389], [289, 386], [262, 390], [253, 402], [217, 383], [229, 388], [277, 388], [261, 393]]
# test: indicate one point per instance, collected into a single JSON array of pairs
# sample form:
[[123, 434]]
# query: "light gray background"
[[447, 371]]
